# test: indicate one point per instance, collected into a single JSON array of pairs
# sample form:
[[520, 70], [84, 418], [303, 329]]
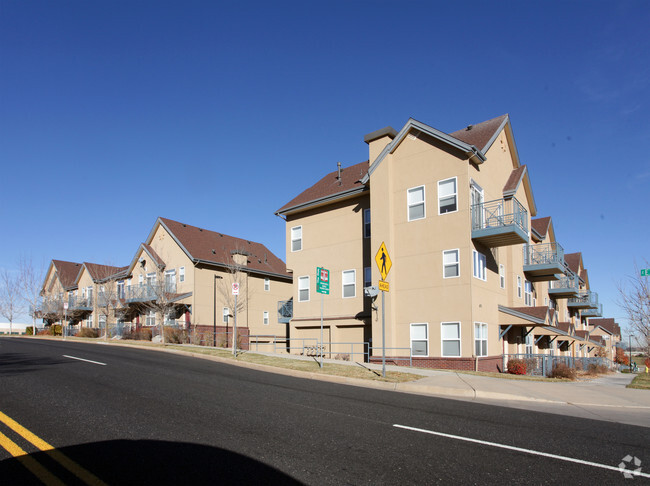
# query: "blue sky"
[[216, 114]]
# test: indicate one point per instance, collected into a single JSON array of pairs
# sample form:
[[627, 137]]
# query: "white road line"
[[527, 451], [86, 360]]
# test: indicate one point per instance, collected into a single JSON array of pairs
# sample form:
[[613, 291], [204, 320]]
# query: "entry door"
[[476, 199]]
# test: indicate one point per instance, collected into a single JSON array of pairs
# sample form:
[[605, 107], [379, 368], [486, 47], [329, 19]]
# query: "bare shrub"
[[561, 370], [88, 332]]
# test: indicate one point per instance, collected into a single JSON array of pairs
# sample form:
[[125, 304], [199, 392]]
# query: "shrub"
[[29, 330], [88, 332], [139, 335], [594, 369], [621, 357], [174, 335], [561, 370], [55, 329], [517, 367], [342, 357]]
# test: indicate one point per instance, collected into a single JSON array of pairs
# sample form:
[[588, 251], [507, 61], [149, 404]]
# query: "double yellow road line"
[[45, 476]]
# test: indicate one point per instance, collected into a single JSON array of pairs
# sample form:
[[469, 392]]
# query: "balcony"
[[591, 312], [565, 287], [49, 307], [585, 300], [285, 310], [543, 262], [80, 303], [148, 292], [501, 222]]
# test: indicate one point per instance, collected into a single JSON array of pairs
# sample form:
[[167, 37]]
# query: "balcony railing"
[[565, 287], [54, 306], [80, 303], [501, 222], [285, 310], [148, 292], [591, 312], [544, 261], [585, 300]]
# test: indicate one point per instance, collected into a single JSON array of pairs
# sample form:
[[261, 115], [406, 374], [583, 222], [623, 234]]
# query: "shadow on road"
[[17, 363], [150, 462]]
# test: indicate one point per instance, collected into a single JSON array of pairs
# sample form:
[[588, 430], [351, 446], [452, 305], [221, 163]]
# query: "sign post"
[[384, 264], [235, 292], [322, 287], [65, 310]]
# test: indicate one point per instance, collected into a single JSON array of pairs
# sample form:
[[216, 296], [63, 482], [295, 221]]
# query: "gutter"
[[244, 269], [323, 200]]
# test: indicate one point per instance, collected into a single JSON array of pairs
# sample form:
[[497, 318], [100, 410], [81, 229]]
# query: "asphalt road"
[[130, 416]]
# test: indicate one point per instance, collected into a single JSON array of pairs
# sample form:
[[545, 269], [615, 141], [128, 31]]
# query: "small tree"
[[31, 280], [160, 299], [10, 298], [108, 301], [634, 299], [235, 273], [621, 357]]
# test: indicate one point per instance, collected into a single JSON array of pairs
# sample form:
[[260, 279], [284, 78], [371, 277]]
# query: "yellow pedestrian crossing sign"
[[383, 261]]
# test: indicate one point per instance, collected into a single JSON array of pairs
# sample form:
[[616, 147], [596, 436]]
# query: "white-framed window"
[[266, 318], [450, 335], [367, 276], [366, 223], [349, 279], [89, 321], [519, 286], [416, 203], [480, 339], [102, 321], [296, 238], [170, 280], [420, 339], [447, 196], [140, 279], [181, 274], [151, 318], [89, 293], [528, 293], [267, 284], [529, 343], [303, 289], [545, 300], [225, 312], [502, 276], [450, 263], [479, 265]]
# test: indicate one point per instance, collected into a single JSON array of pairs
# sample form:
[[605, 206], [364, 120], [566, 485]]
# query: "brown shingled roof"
[[608, 324], [100, 272], [540, 225], [538, 312], [157, 260], [210, 246], [480, 134], [573, 261], [329, 185], [566, 327], [515, 179], [67, 272]]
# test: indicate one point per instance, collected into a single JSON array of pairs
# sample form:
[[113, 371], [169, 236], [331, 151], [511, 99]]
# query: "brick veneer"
[[487, 363], [242, 332]]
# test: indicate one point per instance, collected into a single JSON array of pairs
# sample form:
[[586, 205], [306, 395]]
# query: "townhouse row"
[[475, 275], [181, 276]]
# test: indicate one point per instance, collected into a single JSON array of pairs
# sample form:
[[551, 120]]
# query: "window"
[[529, 343], [266, 318], [366, 223], [102, 322], [151, 278], [450, 338], [519, 286], [303, 289], [480, 339], [170, 281], [181, 274], [447, 197], [89, 293], [349, 283], [419, 340], [140, 279], [296, 238], [416, 203], [89, 321], [367, 277], [479, 265], [151, 318], [528, 293], [450, 264], [545, 300], [267, 284], [224, 315], [502, 276]]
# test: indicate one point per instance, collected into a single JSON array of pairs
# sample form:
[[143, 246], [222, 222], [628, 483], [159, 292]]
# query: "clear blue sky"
[[217, 113]]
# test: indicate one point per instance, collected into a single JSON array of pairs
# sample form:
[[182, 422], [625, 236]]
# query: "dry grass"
[[508, 376], [642, 382]]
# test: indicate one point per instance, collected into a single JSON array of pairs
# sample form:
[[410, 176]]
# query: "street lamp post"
[[214, 316]]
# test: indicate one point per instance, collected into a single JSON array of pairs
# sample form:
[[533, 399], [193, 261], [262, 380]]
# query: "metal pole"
[[214, 308], [630, 336], [383, 334], [322, 299], [234, 338]]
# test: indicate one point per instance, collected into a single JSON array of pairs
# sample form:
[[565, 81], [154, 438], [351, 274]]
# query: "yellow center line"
[[29, 462], [83, 474]]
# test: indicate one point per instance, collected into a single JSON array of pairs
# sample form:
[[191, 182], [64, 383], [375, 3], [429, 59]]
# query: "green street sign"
[[322, 280], [645, 272]]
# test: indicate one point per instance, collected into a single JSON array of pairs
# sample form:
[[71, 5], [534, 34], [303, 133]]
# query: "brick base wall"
[[486, 363], [224, 335]]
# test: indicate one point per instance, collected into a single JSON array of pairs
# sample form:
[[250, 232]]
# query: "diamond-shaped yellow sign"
[[383, 261]]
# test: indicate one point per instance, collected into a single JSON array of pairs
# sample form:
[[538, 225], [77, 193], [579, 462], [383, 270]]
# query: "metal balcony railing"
[[567, 286], [285, 310], [147, 292], [591, 312], [80, 303], [500, 222], [543, 261], [585, 300]]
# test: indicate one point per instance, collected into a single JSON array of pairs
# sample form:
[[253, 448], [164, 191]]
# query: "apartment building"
[[475, 275], [60, 281], [181, 275]]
